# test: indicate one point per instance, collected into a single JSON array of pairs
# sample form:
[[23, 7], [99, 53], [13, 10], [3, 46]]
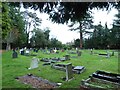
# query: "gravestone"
[[14, 54], [112, 53], [108, 55], [79, 69], [22, 51], [34, 63], [67, 57], [79, 53], [55, 50], [91, 51], [27, 52], [36, 50], [69, 74]]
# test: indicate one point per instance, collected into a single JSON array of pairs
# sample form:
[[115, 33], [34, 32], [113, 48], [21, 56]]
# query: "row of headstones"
[[56, 59], [69, 75], [23, 52], [107, 53], [75, 69]]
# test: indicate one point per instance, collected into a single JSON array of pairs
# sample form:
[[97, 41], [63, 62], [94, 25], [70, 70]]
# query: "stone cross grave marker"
[[69, 74], [34, 63]]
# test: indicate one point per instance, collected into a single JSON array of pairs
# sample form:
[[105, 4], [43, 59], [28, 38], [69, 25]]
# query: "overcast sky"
[[62, 32]]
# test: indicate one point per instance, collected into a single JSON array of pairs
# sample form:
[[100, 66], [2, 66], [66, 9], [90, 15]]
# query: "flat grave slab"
[[101, 80], [37, 82], [75, 69], [79, 67], [107, 76]]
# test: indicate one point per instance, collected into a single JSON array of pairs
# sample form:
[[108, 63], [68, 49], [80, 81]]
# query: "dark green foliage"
[[38, 38], [55, 43], [5, 20]]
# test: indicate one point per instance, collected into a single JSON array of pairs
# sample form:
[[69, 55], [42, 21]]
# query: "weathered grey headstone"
[[69, 74], [34, 63]]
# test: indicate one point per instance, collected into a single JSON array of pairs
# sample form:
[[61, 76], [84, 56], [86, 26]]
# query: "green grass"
[[12, 68]]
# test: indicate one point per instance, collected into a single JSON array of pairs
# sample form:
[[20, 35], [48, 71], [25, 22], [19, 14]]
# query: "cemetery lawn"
[[12, 68]]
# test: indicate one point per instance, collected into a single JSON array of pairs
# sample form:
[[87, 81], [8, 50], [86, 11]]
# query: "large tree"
[[12, 26], [38, 38], [30, 19], [5, 20], [63, 12]]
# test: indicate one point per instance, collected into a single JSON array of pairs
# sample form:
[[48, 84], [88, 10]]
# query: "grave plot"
[[75, 69], [111, 77], [110, 81], [105, 55], [53, 59], [37, 82]]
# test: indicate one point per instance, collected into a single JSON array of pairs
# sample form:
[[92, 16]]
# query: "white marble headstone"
[[21, 50], [34, 63], [27, 51]]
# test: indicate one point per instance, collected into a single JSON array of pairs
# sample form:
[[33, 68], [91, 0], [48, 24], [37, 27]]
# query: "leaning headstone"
[[69, 74], [14, 54], [34, 63]]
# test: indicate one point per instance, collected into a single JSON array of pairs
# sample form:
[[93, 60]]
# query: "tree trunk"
[[8, 47], [81, 37]]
